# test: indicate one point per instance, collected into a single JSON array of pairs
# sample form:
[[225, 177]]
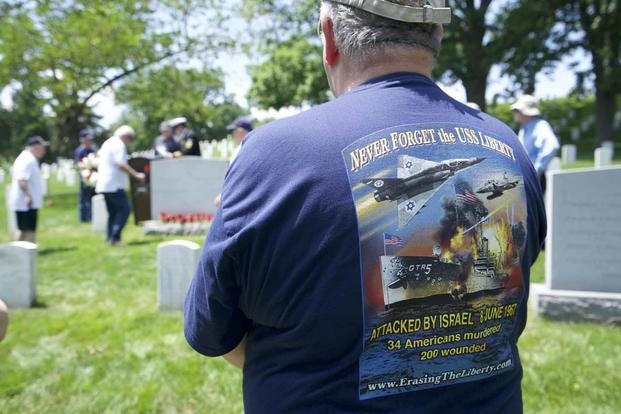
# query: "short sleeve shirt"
[[26, 167], [375, 250], [110, 177]]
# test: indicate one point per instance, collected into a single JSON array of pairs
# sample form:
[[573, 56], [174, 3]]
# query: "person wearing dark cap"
[[238, 130], [26, 195], [87, 146], [166, 145], [185, 136], [369, 255]]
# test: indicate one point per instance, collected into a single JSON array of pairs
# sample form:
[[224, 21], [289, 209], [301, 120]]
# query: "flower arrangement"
[[179, 224], [88, 169], [186, 218]]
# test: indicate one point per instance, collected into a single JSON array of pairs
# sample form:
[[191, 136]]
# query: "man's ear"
[[331, 53]]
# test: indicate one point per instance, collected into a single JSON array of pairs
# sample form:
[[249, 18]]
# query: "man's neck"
[[389, 61]]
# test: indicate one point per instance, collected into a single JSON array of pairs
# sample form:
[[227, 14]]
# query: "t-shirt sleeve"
[[22, 170], [214, 324]]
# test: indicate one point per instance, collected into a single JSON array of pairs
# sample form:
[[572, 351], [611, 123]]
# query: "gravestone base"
[[99, 214], [576, 306]]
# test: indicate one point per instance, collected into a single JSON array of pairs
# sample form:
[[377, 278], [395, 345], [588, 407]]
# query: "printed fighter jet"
[[417, 180], [498, 187]]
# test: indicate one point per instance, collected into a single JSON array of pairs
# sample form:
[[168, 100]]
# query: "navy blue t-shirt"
[[376, 251], [82, 152]]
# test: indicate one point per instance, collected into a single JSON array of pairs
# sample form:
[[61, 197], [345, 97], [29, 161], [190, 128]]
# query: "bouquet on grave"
[[88, 169]]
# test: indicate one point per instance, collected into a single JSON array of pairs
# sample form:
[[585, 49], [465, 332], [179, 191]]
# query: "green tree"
[[160, 94], [598, 23], [69, 51], [291, 69]]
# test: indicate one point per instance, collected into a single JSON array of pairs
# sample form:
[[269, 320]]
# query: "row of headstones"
[[176, 264], [603, 155]]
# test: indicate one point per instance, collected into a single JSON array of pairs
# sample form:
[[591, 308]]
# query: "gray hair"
[[358, 32]]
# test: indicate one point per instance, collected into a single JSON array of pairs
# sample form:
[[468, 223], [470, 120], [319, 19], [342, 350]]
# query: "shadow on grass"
[[53, 250], [146, 242], [39, 304]]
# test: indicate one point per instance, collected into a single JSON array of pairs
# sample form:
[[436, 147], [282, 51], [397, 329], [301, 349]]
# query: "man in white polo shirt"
[[113, 171], [26, 196]]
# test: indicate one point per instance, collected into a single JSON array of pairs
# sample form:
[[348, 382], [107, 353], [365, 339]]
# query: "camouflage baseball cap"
[[434, 11]]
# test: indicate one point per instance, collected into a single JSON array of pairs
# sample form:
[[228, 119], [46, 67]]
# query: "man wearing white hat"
[[354, 265], [185, 136], [536, 134], [113, 171]]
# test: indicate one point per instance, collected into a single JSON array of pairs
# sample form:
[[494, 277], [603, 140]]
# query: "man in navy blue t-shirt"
[[372, 255]]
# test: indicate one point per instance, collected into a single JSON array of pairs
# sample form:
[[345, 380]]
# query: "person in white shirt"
[[26, 195], [113, 171], [536, 135]]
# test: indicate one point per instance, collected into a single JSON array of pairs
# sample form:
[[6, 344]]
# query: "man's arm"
[[23, 186], [130, 171], [237, 356]]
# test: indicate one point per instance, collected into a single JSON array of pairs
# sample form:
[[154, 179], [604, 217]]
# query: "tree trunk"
[[605, 109], [476, 88]]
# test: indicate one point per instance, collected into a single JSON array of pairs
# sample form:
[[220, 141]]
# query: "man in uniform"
[[166, 145], [87, 146], [26, 196], [185, 136], [357, 264]]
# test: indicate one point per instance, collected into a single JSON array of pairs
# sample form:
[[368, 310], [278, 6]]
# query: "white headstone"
[[176, 264], [70, 177], [185, 185], [584, 230], [99, 214], [610, 145], [2, 174], [569, 154], [18, 274], [575, 134], [10, 214], [603, 157], [45, 170], [44, 186], [555, 165]]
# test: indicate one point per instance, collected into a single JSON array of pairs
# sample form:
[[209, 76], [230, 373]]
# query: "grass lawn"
[[97, 343]]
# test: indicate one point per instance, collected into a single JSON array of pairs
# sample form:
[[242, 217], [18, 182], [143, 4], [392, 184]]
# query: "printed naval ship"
[[423, 276], [428, 276], [485, 274]]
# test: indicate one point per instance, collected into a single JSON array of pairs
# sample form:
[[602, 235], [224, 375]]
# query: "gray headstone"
[[18, 274], [185, 185], [584, 230], [176, 264], [99, 214], [569, 154], [10, 214]]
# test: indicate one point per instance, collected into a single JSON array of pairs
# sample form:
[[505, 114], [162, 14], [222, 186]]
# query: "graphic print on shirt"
[[442, 223]]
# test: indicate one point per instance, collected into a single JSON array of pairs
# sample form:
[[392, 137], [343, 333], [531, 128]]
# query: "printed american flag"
[[464, 195], [391, 240]]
